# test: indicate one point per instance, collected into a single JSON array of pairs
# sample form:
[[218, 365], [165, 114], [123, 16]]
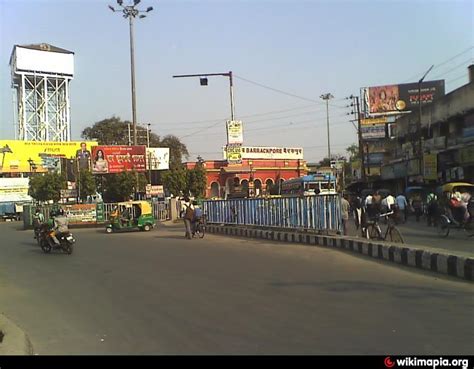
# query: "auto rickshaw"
[[131, 215], [456, 214]]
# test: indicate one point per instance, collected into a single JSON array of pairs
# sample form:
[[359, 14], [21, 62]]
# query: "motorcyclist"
[[60, 226], [38, 220]]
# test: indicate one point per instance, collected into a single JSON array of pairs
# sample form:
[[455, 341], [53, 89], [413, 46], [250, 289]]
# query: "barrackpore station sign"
[[261, 152]]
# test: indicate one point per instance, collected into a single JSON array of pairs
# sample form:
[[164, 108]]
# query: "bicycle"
[[200, 229], [373, 231]]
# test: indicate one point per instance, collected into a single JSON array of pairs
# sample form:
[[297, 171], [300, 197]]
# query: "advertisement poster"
[[37, 156], [158, 157], [14, 189], [235, 132], [117, 159], [393, 99], [81, 213]]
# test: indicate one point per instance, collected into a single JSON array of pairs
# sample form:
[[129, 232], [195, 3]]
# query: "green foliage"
[[121, 186], [86, 184], [196, 181], [353, 152], [47, 187], [175, 180]]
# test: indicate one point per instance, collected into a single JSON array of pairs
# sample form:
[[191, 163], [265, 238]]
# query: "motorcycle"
[[66, 241]]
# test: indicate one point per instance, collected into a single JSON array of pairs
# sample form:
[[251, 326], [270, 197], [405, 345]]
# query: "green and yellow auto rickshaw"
[[131, 215]]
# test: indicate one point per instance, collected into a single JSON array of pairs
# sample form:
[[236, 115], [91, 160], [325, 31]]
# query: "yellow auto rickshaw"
[[131, 215]]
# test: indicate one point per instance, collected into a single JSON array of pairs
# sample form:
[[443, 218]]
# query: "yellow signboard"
[[373, 121], [430, 166], [36, 156]]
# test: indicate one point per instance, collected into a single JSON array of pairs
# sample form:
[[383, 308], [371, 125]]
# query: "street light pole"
[[327, 97], [204, 83], [130, 12]]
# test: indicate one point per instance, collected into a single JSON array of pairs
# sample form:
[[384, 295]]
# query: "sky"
[[283, 53]]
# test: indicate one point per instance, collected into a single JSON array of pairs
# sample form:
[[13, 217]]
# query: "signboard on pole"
[[155, 190], [116, 159], [235, 133], [373, 131], [259, 152], [158, 158]]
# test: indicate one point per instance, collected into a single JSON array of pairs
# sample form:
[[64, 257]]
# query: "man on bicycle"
[[197, 217]]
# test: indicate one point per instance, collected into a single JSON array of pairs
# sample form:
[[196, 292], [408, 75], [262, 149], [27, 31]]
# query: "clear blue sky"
[[305, 48]]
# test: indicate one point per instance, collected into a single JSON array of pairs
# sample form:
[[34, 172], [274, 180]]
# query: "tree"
[[196, 180], [47, 187], [121, 186], [86, 184], [175, 180], [353, 152]]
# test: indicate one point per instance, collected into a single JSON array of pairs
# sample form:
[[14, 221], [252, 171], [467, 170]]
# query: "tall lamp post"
[[203, 81], [327, 97], [130, 12]]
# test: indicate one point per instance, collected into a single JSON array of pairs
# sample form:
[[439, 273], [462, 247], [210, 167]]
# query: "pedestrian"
[[432, 209], [188, 217], [345, 206], [402, 206]]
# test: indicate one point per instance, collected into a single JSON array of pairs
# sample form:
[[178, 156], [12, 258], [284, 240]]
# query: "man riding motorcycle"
[[60, 226]]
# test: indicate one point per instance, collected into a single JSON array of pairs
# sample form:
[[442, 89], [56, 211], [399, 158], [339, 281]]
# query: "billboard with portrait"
[[116, 159], [38, 156], [401, 98]]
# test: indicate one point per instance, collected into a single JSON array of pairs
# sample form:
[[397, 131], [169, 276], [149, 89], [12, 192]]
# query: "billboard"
[[235, 133], [116, 159], [37, 156], [158, 157], [14, 189], [260, 152], [396, 99]]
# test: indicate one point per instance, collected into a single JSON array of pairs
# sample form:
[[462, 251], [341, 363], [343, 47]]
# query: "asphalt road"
[[157, 293]]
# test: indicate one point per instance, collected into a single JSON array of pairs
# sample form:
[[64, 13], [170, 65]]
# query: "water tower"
[[40, 75]]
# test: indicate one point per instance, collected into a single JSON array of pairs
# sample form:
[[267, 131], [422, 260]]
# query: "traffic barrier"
[[310, 212]]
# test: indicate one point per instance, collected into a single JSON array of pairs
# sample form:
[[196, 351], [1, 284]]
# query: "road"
[[157, 293]]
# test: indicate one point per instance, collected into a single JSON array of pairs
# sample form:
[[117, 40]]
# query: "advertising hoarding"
[[116, 159], [14, 189], [394, 99], [37, 156], [235, 132], [158, 157]]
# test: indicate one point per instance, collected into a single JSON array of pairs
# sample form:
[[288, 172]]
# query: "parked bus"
[[310, 185]]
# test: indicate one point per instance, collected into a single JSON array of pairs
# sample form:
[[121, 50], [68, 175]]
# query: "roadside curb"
[[449, 264], [13, 340]]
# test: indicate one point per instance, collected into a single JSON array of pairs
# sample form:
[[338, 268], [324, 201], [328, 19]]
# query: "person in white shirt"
[[402, 205]]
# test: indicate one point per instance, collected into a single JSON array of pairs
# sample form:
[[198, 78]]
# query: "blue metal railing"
[[309, 212]]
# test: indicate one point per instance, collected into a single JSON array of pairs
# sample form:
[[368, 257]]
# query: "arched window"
[[215, 189], [257, 184]]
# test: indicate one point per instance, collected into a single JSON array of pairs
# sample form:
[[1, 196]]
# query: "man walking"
[[402, 206], [345, 206]]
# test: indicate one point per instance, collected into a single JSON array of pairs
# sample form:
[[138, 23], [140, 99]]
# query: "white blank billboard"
[[44, 61]]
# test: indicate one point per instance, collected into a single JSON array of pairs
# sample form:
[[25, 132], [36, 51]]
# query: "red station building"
[[261, 168]]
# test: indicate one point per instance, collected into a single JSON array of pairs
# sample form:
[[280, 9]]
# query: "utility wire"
[[440, 64]]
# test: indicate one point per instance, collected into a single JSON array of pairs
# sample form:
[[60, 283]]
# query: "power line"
[[463, 64], [440, 64]]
